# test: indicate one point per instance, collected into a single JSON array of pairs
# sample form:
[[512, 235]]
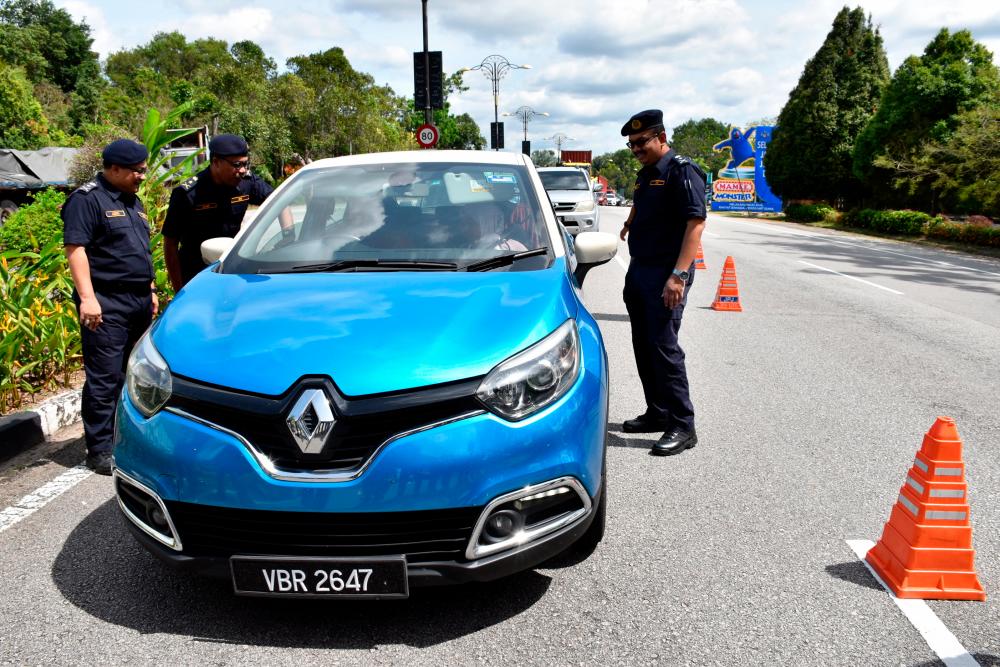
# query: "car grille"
[[563, 207], [423, 536], [362, 424]]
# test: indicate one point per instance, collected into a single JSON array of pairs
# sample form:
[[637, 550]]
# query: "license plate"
[[320, 577]]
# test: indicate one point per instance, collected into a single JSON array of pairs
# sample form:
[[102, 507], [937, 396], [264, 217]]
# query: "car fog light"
[[501, 525], [156, 516]]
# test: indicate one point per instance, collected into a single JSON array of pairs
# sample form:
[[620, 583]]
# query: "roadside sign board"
[[427, 135]]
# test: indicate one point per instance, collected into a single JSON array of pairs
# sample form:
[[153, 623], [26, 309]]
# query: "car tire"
[[7, 209]]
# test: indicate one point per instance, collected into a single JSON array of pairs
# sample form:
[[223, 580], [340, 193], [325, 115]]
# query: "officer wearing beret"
[[106, 235], [663, 230], [210, 204]]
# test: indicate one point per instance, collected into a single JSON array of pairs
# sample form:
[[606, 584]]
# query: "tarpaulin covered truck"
[[24, 172]]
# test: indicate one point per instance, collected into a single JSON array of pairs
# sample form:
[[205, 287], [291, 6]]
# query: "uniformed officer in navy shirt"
[[106, 235], [209, 205], [663, 229]]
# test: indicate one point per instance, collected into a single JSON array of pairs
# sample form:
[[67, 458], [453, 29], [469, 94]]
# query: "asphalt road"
[[811, 404]]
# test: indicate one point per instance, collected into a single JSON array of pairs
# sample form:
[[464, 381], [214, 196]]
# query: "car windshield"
[[564, 180], [396, 217]]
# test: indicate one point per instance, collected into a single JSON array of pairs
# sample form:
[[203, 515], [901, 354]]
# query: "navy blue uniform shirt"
[[667, 194], [112, 227], [201, 209]]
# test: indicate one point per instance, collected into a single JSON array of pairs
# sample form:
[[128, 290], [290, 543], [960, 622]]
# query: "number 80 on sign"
[[427, 135]]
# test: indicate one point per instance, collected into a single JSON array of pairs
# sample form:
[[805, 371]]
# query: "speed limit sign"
[[427, 135]]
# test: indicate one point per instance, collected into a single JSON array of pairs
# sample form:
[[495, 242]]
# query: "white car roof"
[[410, 157]]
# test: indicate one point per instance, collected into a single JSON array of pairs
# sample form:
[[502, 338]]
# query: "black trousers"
[[658, 354], [125, 316]]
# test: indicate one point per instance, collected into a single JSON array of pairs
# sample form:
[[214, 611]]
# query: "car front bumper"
[[461, 465]]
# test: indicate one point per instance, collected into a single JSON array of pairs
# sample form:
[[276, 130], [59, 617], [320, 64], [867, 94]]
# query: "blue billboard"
[[741, 185]]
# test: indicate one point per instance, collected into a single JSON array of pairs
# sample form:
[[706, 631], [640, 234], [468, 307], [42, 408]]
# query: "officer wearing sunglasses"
[[209, 205], [663, 230], [106, 237]]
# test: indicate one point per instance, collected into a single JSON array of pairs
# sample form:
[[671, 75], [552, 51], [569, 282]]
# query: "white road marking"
[[42, 496], [844, 275], [833, 239], [944, 644]]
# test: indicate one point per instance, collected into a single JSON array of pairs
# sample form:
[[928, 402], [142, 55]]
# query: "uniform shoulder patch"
[[189, 183]]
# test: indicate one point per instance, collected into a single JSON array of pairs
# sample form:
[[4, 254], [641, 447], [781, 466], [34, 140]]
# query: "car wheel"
[[7, 209]]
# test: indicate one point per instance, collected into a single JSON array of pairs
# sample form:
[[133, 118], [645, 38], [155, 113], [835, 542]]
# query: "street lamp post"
[[494, 68], [559, 138], [526, 113]]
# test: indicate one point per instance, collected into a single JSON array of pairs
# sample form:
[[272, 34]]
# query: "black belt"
[[122, 287]]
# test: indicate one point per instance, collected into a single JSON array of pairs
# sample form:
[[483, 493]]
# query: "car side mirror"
[[592, 249], [213, 250]]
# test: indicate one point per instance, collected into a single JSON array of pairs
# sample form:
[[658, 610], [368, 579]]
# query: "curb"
[[21, 430]]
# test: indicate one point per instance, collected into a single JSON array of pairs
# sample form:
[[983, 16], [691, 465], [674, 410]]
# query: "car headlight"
[[534, 378], [147, 377], [585, 206]]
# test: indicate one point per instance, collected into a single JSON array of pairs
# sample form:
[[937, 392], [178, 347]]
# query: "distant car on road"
[[405, 389], [611, 199], [572, 196]]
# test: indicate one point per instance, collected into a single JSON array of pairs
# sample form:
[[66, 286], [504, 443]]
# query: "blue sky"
[[594, 62]]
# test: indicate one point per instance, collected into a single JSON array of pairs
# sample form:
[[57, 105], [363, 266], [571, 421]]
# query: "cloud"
[[105, 40]]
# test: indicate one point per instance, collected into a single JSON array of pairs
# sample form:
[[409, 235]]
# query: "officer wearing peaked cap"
[[106, 236], [211, 204], [663, 230]]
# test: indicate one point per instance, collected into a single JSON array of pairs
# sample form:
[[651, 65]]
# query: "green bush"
[[810, 212], [36, 225], [901, 222], [888, 222]]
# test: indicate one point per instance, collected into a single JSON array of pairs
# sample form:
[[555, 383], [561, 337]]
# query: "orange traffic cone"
[[926, 546], [728, 295], [699, 259]]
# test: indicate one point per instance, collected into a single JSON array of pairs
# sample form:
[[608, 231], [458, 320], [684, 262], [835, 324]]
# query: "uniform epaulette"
[[189, 183], [682, 159], [87, 187]]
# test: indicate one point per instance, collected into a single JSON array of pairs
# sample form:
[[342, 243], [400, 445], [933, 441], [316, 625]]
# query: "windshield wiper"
[[504, 260], [361, 264]]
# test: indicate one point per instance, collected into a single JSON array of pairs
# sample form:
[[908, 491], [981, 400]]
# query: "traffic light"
[[420, 80], [496, 135], [526, 147]]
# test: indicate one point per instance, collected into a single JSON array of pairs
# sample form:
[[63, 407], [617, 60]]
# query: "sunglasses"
[[641, 141]]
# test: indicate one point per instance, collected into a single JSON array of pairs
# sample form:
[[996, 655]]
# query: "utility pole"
[[428, 112]]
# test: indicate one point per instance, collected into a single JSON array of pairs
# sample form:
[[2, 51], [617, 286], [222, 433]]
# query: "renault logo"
[[311, 420]]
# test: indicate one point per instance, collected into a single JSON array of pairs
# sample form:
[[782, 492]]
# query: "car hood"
[[570, 195], [370, 332]]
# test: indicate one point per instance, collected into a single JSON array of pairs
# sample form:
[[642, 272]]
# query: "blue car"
[[388, 379]]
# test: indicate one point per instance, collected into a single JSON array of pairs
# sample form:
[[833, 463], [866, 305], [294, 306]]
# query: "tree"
[[619, 168], [22, 123], [695, 138], [52, 48], [544, 158], [810, 154], [924, 102], [350, 114], [963, 172]]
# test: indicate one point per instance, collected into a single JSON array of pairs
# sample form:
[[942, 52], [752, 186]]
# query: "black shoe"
[[100, 462], [675, 441], [644, 424]]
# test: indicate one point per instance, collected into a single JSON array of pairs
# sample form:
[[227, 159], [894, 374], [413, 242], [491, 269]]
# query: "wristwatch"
[[683, 275]]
